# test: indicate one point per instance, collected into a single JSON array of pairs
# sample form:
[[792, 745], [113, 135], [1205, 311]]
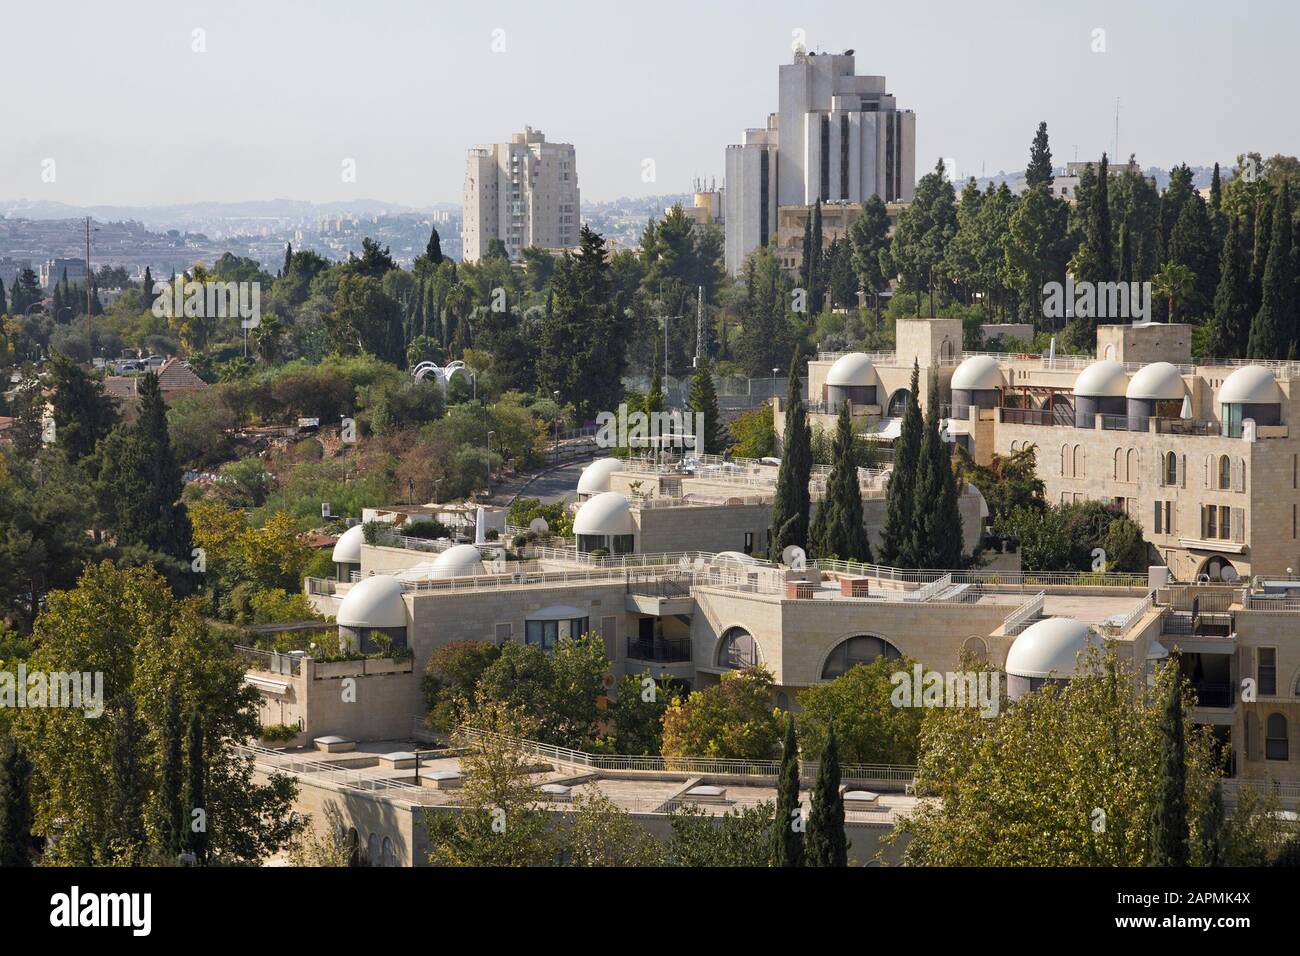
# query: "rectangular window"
[[1225, 522], [844, 157], [1267, 671], [749, 542], [1211, 521], [825, 192]]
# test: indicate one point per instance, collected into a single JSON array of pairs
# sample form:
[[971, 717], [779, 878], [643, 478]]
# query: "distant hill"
[[178, 214]]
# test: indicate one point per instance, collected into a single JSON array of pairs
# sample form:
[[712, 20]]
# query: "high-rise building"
[[836, 137], [524, 192]]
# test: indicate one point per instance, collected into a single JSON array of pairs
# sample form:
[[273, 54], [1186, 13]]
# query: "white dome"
[[458, 561], [607, 513], [978, 372], [375, 601], [595, 477], [1049, 648], [852, 369], [1158, 381], [1251, 385], [347, 550], [1104, 379]]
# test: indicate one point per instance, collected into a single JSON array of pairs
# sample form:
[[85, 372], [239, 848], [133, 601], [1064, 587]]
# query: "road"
[[556, 485]]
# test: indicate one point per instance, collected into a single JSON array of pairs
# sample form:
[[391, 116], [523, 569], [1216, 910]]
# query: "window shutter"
[[1239, 478], [609, 633], [1204, 527], [1208, 459], [1239, 525], [1155, 525], [1182, 472], [1173, 518]]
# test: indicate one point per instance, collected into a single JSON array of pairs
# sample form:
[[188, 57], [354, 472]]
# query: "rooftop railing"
[[1021, 617]]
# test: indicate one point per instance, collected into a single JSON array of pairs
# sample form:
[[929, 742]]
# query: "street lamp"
[[555, 445], [774, 371], [488, 491]]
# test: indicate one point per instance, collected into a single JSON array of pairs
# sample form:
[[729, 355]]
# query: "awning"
[[266, 685]]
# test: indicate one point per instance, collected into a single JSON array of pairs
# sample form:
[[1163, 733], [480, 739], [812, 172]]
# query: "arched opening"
[[862, 649], [737, 649], [389, 853], [1171, 469], [898, 403], [976, 648], [372, 847], [354, 847], [1276, 744], [1079, 467], [1219, 568], [1132, 462], [1225, 473]]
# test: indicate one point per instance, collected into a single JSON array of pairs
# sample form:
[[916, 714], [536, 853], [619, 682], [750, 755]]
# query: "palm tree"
[[1176, 282]]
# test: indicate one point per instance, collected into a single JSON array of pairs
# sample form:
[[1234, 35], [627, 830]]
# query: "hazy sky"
[[115, 94]]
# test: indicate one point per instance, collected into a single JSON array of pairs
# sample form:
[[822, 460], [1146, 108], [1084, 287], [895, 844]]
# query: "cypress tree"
[[826, 843], [837, 530], [787, 826], [288, 259], [1099, 255], [1040, 159], [1125, 264], [171, 524], [1211, 828], [1216, 211], [1169, 815], [194, 830], [1191, 243], [1230, 325], [83, 414], [3, 308], [703, 400], [816, 279], [15, 805], [895, 535], [791, 503], [654, 396], [805, 261], [433, 251], [1263, 234], [936, 524], [171, 770], [1273, 332], [126, 796]]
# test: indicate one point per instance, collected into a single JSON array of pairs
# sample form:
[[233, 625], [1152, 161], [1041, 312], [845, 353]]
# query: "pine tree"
[[654, 396], [1273, 332], [194, 830], [791, 503], [838, 530], [126, 806], [703, 401], [896, 534], [433, 251], [787, 825], [15, 805], [1040, 160], [1210, 831], [825, 843], [170, 773], [83, 414], [936, 524], [1230, 326], [1169, 833]]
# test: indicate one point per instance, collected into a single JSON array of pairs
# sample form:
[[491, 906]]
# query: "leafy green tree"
[[869, 242], [895, 535], [25, 293], [433, 250], [765, 336], [1176, 283], [825, 843], [451, 677], [838, 530], [638, 714], [736, 838], [1039, 171], [1045, 542], [1191, 244], [752, 433], [730, 719], [791, 503], [1210, 830], [83, 413], [365, 318], [1032, 251], [15, 805], [1095, 260], [1007, 482], [924, 230], [169, 814], [703, 401], [870, 728], [194, 833], [126, 833], [599, 833], [1169, 827], [557, 692], [787, 823]]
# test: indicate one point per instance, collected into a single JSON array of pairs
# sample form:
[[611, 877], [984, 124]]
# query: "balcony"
[[670, 650], [1205, 624], [1213, 695]]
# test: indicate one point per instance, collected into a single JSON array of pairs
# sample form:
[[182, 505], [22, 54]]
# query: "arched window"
[[372, 847], [1132, 462], [862, 649], [354, 847], [738, 649], [1080, 466], [977, 648], [898, 403], [1225, 473], [1171, 469], [389, 853], [1275, 738], [1117, 457], [1066, 461]]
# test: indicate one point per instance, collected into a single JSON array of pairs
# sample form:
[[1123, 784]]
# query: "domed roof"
[[375, 601], [1104, 379], [595, 477], [607, 513], [1158, 381], [457, 561], [1049, 648], [1251, 385], [978, 372], [347, 550], [852, 369]]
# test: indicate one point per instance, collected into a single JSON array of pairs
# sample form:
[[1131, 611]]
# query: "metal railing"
[[1020, 618], [273, 662], [864, 773], [1209, 624], [281, 762], [660, 650], [1126, 623]]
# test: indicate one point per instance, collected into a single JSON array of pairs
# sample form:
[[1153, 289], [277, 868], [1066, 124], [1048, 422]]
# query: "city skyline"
[[247, 119]]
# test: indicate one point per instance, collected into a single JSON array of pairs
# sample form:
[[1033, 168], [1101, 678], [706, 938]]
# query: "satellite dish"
[[794, 558], [1229, 573], [539, 525]]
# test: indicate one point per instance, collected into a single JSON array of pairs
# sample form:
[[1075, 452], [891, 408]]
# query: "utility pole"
[[699, 324]]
